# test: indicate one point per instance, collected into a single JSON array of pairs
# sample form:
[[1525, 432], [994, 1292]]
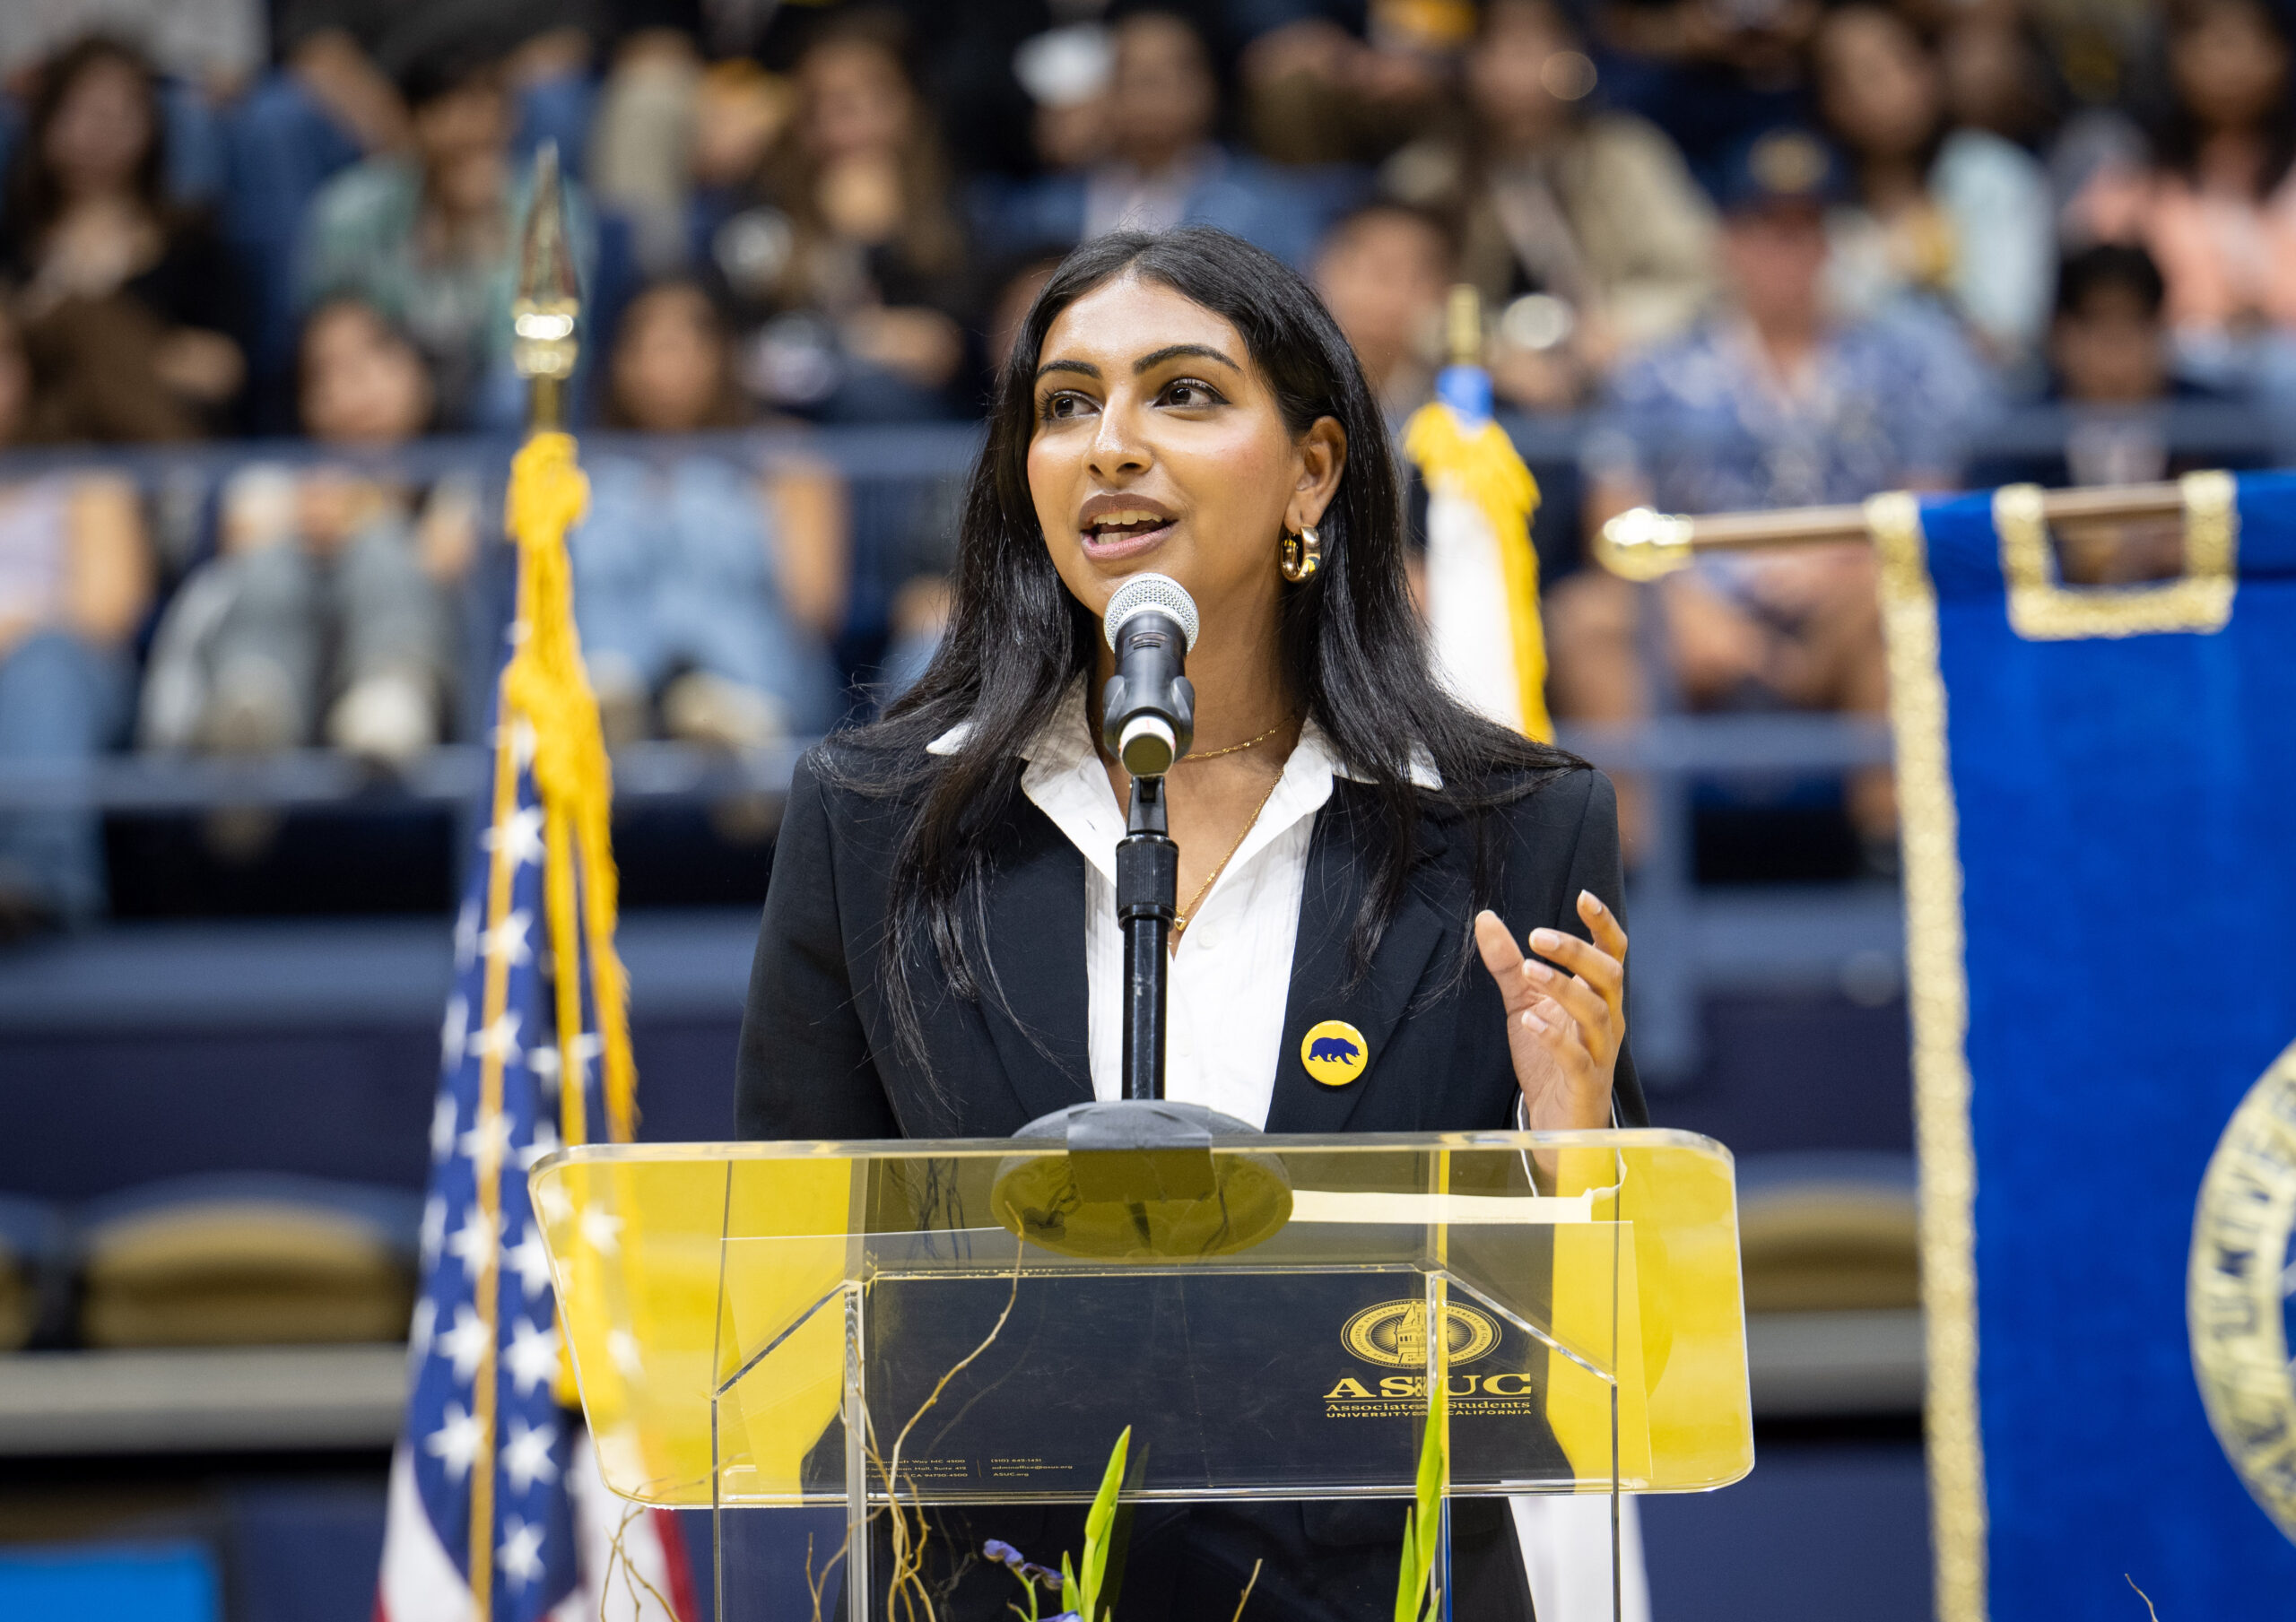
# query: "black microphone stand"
[[1147, 903]]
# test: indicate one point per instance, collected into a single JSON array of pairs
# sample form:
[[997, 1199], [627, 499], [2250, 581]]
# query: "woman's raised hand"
[[1564, 1025]]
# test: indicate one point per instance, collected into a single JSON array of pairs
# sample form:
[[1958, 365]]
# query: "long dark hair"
[[2177, 130], [1354, 648], [34, 199]]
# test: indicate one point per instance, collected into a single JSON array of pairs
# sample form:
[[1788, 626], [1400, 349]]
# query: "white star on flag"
[[507, 941], [473, 1242], [418, 1335], [467, 935], [526, 1459], [464, 1344], [500, 1037], [600, 1230], [455, 1444], [533, 1355], [531, 1262], [544, 1062], [454, 1031], [543, 1142], [520, 835], [520, 1556], [442, 1124], [486, 1142], [523, 737], [434, 1229]]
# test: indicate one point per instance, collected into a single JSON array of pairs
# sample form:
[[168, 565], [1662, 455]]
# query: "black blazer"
[[818, 1061], [817, 1056]]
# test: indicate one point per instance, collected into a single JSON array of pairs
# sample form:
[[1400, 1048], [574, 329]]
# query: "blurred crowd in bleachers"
[[1763, 252]]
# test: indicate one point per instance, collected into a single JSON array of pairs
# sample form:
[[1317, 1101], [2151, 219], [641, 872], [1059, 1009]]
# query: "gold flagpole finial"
[[1463, 326], [542, 317]]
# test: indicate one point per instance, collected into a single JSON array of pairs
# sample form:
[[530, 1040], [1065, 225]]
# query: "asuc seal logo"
[[2235, 1289], [1394, 1333]]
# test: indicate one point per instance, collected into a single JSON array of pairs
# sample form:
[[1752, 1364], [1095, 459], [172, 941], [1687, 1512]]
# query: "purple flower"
[[1017, 1563]]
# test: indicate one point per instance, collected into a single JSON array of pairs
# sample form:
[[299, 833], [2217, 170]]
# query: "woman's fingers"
[[1501, 956], [1602, 924], [1606, 973], [1579, 1000], [1562, 1036]]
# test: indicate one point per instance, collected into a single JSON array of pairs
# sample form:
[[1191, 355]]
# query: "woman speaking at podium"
[[940, 955]]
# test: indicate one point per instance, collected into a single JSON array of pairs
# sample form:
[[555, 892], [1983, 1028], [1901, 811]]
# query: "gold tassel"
[[546, 687], [1483, 467]]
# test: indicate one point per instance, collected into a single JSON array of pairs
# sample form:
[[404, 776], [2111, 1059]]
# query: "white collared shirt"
[[1231, 980]]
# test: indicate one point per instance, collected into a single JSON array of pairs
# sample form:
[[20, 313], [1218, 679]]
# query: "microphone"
[[1148, 710]]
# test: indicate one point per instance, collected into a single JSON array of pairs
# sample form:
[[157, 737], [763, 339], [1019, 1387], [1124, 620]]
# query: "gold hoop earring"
[[1300, 554]]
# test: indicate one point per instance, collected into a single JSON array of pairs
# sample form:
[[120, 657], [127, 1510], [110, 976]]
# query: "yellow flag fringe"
[[1483, 468], [546, 688]]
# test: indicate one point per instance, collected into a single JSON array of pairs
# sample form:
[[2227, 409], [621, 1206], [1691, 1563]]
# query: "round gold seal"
[[1394, 1333], [2236, 1287]]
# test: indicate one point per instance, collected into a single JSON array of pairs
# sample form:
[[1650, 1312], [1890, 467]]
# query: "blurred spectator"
[[328, 597], [2107, 345], [665, 124], [1066, 72], [1385, 271], [1314, 92], [76, 579], [431, 239], [217, 46], [849, 261], [1962, 215], [2217, 207], [352, 55], [127, 302], [1583, 229], [1712, 73], [1996, 75], [336, 98], [1769, 402], [696, 586], [1163, 168], [2111, 366]]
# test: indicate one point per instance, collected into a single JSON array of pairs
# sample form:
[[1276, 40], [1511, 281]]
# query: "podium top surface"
[[1268, 1313]]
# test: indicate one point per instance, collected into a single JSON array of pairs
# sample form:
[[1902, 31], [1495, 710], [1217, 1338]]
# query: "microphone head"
[[1158, 593]]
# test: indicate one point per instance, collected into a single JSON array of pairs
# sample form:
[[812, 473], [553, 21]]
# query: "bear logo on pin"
[[1333, 1053]]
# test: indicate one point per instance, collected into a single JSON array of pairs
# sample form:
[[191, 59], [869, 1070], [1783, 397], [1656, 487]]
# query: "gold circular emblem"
[[2235, 1289], [1334, 1053], [1394, 1333]]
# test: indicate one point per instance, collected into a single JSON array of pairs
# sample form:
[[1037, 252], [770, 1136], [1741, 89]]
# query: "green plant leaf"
[[1409, 1575], [1433, 1471], [1097, 1522], [1422, 1522], [1071, 1597]]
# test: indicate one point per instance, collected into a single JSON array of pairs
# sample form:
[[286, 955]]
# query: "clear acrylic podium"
[[885, 1325]]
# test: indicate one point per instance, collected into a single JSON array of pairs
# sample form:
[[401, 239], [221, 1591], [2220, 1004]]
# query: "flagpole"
[[1643, 544], [544, 348]]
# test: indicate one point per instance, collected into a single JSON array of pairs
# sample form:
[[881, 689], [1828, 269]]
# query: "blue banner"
[[2099, 792]]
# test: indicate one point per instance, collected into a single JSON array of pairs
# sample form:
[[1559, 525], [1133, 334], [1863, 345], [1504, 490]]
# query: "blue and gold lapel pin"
[[1333, 1053]]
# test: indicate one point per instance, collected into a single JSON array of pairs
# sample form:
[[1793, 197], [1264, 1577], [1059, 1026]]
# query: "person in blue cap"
[[1772, 399]]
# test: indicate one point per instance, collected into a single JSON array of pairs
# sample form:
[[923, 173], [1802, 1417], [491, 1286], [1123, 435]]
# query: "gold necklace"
[[1237, 749], [1180, 920]]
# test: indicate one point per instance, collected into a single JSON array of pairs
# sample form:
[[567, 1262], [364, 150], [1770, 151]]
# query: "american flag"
[[497, 1513]]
